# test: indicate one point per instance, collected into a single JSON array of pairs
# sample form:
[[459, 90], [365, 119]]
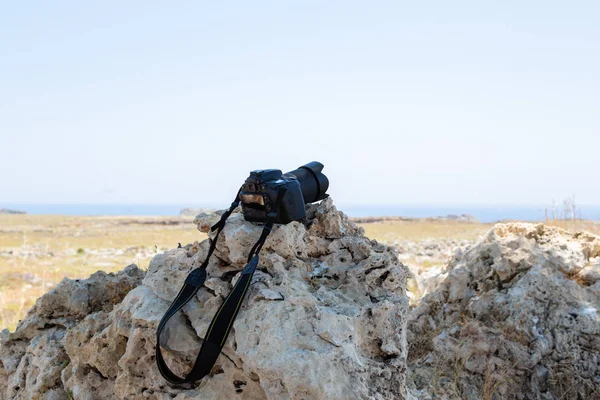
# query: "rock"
[[516, 317], [590, 274], [325, 318], [9, 211], [34, 357], [460, 218], [192, 212]]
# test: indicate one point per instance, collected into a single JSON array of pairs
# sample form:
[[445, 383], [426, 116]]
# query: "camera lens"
[[313, 182]]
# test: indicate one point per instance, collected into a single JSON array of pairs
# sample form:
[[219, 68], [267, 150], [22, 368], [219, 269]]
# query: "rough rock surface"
[[33, 357], [516, 317], [325, 318]]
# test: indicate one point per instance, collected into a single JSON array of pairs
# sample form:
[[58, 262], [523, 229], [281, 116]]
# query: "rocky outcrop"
[[33, 358], [515, 317], [191, 212], [9, 211], [460, 218], [325, 318]]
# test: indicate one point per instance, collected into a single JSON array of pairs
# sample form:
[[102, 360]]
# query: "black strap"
[[223, 320]]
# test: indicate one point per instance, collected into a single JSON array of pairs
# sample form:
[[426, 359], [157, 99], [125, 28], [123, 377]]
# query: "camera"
[[260, 193], [267, 196]]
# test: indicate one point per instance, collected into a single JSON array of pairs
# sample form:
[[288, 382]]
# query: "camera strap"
[[222, 322]]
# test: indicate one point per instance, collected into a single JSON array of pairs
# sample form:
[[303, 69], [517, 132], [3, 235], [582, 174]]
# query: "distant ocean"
[[482, 213]]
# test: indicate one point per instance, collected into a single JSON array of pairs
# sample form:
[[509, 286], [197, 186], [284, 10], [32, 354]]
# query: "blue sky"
[[404, 102]]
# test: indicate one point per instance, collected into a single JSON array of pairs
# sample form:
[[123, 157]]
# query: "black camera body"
[[260, 193]]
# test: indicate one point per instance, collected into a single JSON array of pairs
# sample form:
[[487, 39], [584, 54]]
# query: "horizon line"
[[207, 205]]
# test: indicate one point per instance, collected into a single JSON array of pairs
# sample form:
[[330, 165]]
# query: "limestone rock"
[[190, 212], [33, 358], [325, 318], [516, 317]]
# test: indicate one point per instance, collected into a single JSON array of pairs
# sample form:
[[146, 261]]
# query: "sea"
[[484, 213]]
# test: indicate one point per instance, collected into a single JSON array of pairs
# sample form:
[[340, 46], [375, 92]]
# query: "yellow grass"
[[45, 249], [416, 230], [577, 225], [420, 229]]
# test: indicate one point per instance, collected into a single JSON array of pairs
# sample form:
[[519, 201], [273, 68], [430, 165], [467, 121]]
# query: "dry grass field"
[[420, 229], [37, 252]]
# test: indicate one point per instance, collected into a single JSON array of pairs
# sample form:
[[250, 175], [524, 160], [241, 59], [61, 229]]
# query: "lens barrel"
[[313, 182]]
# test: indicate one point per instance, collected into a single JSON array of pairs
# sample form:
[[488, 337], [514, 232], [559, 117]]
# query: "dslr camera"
[[260, 193]]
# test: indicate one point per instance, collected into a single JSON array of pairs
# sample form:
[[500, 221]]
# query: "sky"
[[432, 102]]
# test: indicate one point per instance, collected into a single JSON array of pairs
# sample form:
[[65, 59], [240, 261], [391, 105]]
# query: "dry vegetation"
[[37, 252], [420, 229]]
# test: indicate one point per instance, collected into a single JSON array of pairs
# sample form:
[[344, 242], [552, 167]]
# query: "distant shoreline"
[[467, 219]]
